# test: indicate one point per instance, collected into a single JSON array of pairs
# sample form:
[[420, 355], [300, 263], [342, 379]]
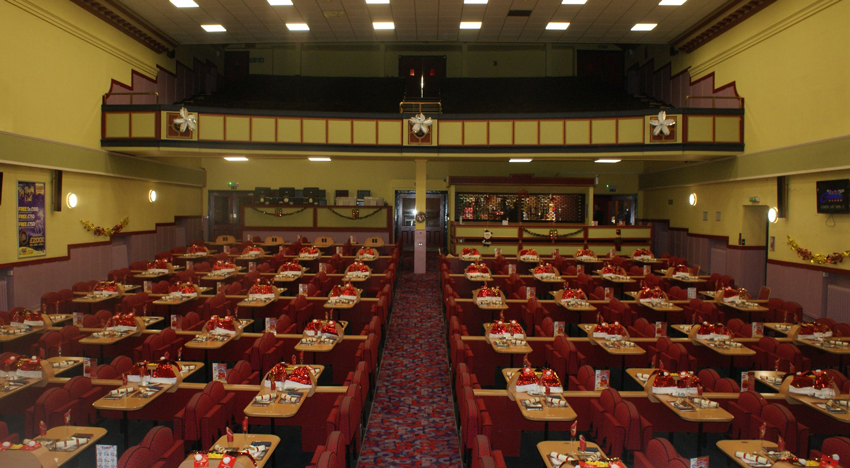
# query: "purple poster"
[[31, 219]]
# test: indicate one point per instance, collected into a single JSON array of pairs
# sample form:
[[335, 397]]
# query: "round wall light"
[[692, 199], [773, 214], [71, 200], [152, 196]]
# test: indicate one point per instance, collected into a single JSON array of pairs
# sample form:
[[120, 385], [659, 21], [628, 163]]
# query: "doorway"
[[422, 75], [226, 212], [609, 210], [236, 67], [436, 220]]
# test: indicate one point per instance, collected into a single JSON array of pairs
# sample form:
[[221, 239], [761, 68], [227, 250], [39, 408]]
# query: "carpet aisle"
[[412, 421]]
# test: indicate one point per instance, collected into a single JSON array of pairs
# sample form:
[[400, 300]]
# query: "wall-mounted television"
[[833, 196]]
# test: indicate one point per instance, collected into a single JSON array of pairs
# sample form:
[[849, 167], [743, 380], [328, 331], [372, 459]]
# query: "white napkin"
[[289, 398], [752, 459], [643, 377], [264, 397], [560, 402], [120, 392], [705, 403]]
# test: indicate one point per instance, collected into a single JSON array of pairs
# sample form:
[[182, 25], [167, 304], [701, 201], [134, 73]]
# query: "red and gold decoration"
[[221, 325], [355, 214], [105, 231], [278, 212], [817, 259], [470, 254]]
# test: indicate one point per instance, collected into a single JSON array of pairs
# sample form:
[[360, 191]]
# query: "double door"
[[435, 219]]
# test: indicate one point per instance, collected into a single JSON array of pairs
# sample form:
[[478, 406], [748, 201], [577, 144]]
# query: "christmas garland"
[[553, 233], [102, 231], [807, 255], [278, 212], [355, 213]]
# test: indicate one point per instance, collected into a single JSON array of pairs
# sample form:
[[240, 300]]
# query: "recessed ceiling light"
[[475, 2], [671, 2], [280, 2], [607, 161], [644, 26], [556, 26], [235, 158], [383, 25], [520, 160], [213, 28], [470, 25], [573, 2], [377, 2], [297, 26], [319, 159], [184, 3]]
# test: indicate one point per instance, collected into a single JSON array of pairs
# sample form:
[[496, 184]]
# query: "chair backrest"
[[122, 364], [609, 399], [752, 402], [137, 457], [77, 386], [660, 451], [708, 377], [764, 293], [836, 446], [768, 343], [727, 385], [215, 390], [586, 377], [50, 401], [159, 440], [198, 406], [782, 419], [627, 415]]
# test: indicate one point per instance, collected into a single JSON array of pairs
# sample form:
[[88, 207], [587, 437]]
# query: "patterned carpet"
[[412, 421]]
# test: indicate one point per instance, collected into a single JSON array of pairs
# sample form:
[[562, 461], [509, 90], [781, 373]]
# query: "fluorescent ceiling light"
[[671, 2], [235, 158], [573, 2], [520, 160], [475, 2], [383, 25], [644, 27], [184, 3], [470, 25], [556, 26], [377, 2], [319, 159], [297, 26], [608, 161], [280, 2], [213, 28]]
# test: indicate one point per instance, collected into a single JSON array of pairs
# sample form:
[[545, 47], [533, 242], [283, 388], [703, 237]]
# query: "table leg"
[[699, 439], [207, 364], [732, 367], [126, 430], [545, 430], [623, 373], [274, 427]]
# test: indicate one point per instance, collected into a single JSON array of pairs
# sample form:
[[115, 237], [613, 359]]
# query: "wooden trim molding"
[[117, 17], [808, 266], [523, 179], [725, 18]]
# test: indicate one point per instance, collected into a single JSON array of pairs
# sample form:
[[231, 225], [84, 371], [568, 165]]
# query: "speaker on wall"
[[782, 196], [57, 191]]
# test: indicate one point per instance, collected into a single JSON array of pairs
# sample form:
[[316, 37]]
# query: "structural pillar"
[[419, 244]]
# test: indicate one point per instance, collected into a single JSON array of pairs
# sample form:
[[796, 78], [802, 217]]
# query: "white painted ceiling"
[[255, 21]]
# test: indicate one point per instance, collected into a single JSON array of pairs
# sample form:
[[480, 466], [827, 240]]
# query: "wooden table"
[[662, 307], [321, 347], [59, 318], [27, 383], [72, 362], [91, 299], [731, 352], [213, 276], [729, 447], [761, 376], [240, 441], [114, 337], [207, 342], [840, 351], [779, 327], [66, 432], [547, 414], [511, 349], [7, 337], [682, 328], [565, 448], [742, 308], [699, 416], [127, 405], [634, 371], [815, 403], [616, 348]]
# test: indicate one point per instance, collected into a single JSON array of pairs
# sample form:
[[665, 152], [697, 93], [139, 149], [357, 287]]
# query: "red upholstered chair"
[[48, 344], [739, 329], [92, 321], [121, 364], [5, 436], [360, 378], [566, 359], [658, 454], [455, 328], [346, 419], [749, 404], [727, 385], [335, 445], [840, 379], [50, 407], [107, 372], [766, 356], [475, 421], [151, 349], [793, 311], [827, 321], [196, 422], [691, 311], [606, 403], [790, 355], [841, 329], [71, 337], [637, 329], [781, 422], [284, 325], [662, 344], [81, 286], [81, 390], [677, 359], [192, 322], [246, 374], [50, 303], [616, 311], [833, 446], [625, 429], [170, 339], [546, 328], [709, 313], [103, 315], [775, 312], [584, 380], [137, 457], [708, 377], [227, 402], [218, 305], [162, 444], [481, 448], [161, 287], [533, 314]]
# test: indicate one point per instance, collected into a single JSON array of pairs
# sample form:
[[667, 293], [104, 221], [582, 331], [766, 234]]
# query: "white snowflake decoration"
[[186, 120], [661, 124], [421, 125]]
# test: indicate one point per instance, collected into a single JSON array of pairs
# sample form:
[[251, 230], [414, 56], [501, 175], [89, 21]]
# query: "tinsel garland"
[[278, 212], [102, 231], [820, 259], [355, 214], [550, 234]]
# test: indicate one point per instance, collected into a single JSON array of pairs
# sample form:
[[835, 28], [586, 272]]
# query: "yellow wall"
[[101, 200]]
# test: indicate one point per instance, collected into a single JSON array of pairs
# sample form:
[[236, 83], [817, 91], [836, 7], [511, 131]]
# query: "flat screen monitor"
[[833, 196]]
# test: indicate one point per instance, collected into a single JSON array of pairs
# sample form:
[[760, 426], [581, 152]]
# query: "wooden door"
[[422, 74], [435, 219], [226, 212]]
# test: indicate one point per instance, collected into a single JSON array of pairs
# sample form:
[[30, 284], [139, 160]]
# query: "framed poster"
[[31, 233]]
